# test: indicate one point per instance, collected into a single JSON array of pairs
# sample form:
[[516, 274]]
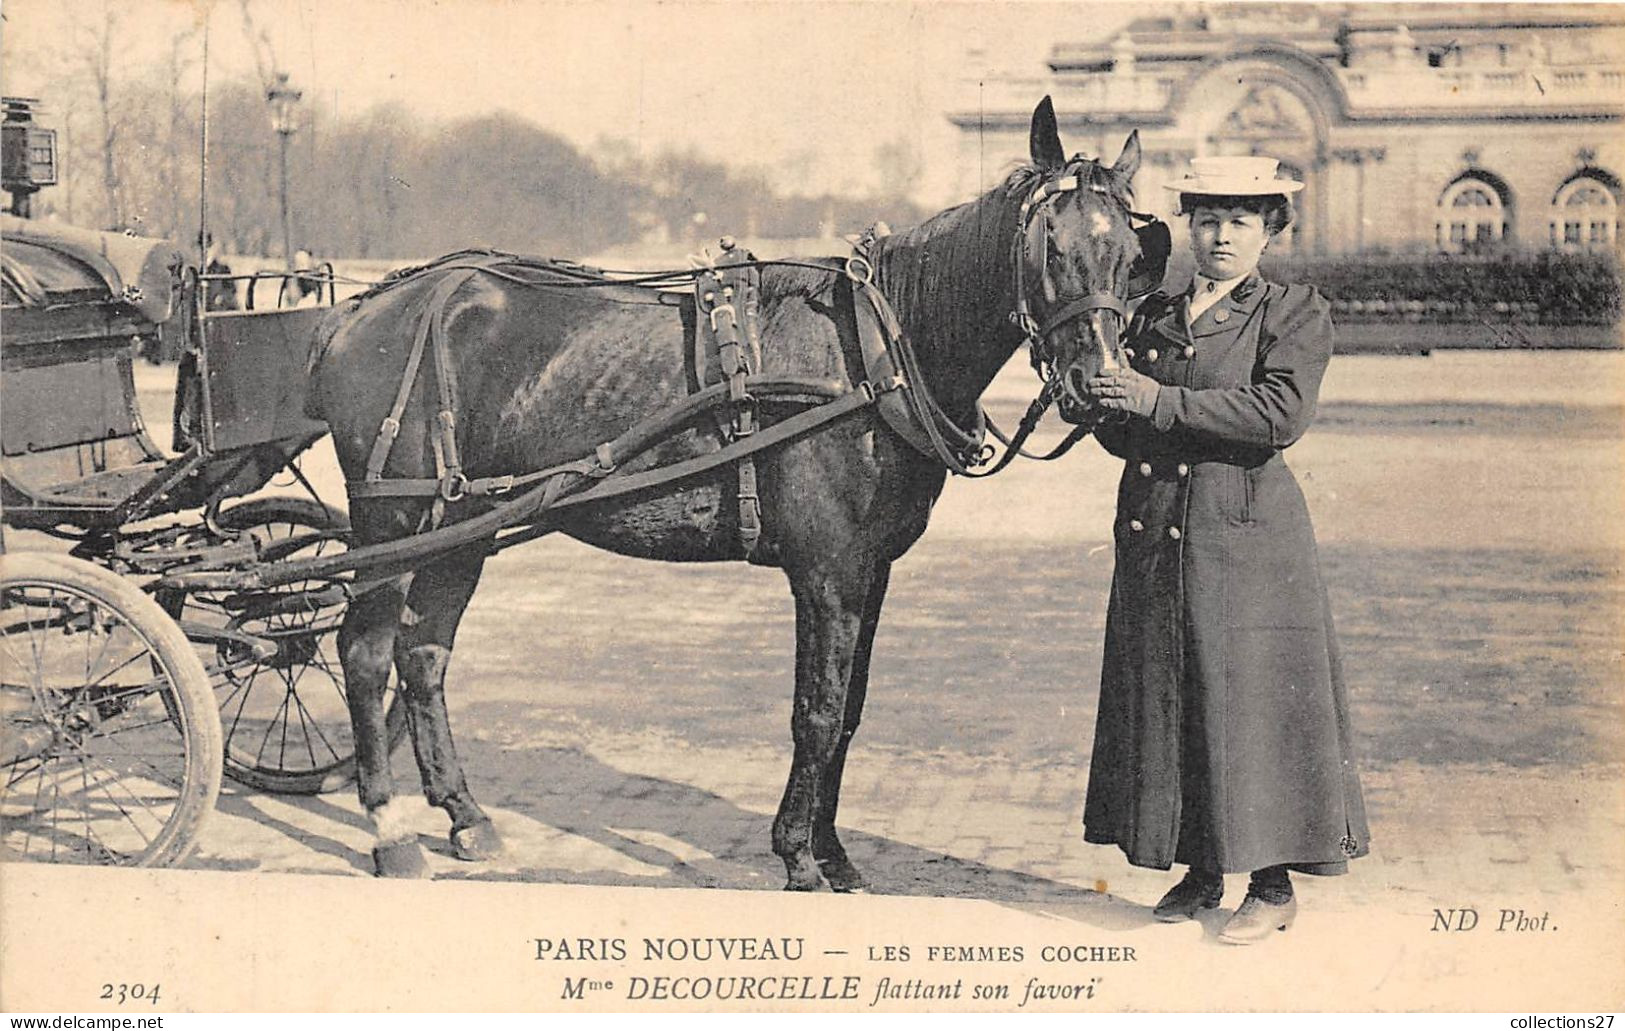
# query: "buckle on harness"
[[390, 427], [499, 485], [454, 487], [718, 310]]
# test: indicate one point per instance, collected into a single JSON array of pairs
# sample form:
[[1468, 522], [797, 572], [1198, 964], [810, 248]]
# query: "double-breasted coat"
[[1223, 736]]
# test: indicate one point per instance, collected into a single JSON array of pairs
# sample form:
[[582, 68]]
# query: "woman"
[[1223, 738]]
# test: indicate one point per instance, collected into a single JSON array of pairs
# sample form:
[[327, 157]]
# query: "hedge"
[[1543, 289]]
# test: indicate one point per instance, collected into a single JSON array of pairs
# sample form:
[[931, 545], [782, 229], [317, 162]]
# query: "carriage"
[[123, 703]]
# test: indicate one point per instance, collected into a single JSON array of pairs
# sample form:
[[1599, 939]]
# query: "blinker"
[[1156, 243]]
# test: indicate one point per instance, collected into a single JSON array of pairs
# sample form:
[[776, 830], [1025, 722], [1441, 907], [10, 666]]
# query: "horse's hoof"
[[477, 842], [803, 875], [842, 877], [402, 859]]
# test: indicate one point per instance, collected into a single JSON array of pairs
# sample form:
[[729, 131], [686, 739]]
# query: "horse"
[[540, 375]]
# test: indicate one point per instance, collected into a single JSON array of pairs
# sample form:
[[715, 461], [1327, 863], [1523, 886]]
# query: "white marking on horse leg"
[[391, 823]]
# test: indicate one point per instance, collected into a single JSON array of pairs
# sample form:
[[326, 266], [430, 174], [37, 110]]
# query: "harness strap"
[[428, 326], [1082, 306], [727, 310], [889, 360], [779, 432], [612, 454], [957, 448], [393, 557]]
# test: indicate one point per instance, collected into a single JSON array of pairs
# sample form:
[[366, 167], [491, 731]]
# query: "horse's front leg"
[[440, 594], [829, 614], [827, 849], [366, 643]]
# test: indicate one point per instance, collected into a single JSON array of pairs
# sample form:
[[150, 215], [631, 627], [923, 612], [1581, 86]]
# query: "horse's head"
[[1079, 259]]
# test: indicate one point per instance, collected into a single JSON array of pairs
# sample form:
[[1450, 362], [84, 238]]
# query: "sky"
[[805, 90]]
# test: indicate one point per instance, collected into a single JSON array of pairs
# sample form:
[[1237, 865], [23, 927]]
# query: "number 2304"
[[123, 993]]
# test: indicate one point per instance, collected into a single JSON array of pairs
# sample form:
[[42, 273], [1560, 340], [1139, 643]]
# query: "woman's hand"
[[1124, 391]]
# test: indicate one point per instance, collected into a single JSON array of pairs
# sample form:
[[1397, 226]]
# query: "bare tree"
[[90, 53], [181, 130], [265, 62]]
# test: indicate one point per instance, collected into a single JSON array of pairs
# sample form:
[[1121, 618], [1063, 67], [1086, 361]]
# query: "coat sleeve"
[[1295, 344]]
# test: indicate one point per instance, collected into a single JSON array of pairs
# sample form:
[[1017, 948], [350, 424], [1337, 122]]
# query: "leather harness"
[[727, 352], [727, 355]]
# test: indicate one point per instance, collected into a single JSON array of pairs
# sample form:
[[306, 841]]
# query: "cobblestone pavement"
[[639, 810]]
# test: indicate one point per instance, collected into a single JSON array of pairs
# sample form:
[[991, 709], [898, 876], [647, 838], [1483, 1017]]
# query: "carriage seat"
[[106, 489]]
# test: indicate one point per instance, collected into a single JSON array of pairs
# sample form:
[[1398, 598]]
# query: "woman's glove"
[[1124, 391]]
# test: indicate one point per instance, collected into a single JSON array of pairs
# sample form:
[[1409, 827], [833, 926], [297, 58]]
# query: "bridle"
[[1144, 276]]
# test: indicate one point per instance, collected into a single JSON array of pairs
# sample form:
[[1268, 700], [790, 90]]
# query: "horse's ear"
[[1044, 139], [1128, 162]]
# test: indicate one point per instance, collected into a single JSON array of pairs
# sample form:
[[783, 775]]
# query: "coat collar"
[[1232, 311]]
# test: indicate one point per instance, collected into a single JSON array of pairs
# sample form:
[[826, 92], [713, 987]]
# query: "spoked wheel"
[[286, 718], [110, 744]]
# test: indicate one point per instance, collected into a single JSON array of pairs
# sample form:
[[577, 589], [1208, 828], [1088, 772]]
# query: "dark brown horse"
[[543, 375]]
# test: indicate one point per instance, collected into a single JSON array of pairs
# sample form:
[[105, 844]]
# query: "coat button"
[[1173, 532], [1222, 315], [1190, 352], [1184, 470], [1136, 525], [1151, 355], [1145, 468]]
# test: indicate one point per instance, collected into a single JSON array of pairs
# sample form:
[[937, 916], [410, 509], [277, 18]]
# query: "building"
[[1414, 127]]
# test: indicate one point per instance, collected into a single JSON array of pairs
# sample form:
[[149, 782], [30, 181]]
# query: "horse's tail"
[[320, 341]]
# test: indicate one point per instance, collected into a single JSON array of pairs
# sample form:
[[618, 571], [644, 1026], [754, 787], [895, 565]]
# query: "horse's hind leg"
[[829, 606], [827, 849], [440, 593], [366, 644]]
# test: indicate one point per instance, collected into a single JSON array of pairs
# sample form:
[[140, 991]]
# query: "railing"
[[1454, 87], [1151, 89]]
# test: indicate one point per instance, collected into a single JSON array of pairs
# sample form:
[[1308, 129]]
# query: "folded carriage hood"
[[142, 272]]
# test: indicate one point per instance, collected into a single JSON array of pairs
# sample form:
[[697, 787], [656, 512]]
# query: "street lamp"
[[284, 101]]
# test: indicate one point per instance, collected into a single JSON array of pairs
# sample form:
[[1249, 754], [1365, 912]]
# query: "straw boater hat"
[[1235, 177]]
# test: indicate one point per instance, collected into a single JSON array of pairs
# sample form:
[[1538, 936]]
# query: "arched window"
[[1585, 212], [1472, 216]]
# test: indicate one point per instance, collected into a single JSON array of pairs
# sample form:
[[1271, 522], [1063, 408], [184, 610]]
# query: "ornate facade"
[[1414, 127]]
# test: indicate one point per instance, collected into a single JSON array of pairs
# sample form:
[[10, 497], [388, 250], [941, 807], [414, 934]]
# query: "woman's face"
[[1227, 242]]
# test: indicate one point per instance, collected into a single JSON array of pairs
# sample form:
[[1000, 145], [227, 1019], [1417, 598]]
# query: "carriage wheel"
[[110, 744], [286, 719]]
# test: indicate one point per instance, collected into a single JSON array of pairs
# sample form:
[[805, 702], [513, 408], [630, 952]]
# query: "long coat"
[[1223, 735]]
